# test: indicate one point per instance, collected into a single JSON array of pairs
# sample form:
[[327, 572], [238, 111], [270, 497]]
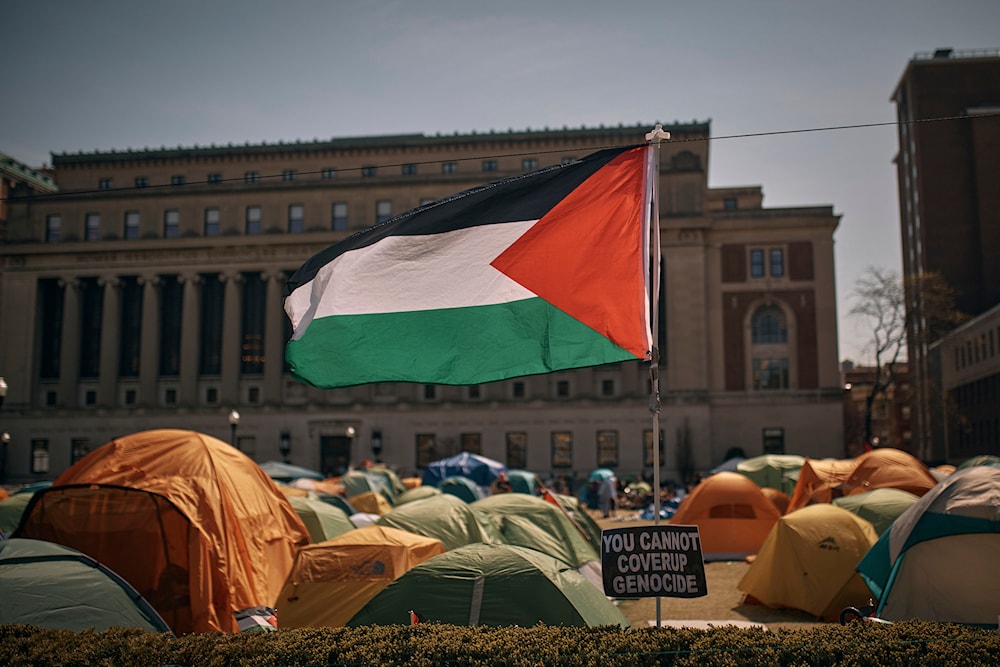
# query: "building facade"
[[146, 293], [948, 108]]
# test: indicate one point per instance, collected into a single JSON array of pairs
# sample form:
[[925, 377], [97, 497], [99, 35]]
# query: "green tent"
[[879, 506], [579, 514], [395, 484], [11, 510], [461, 487], [323, 521], [417, 493], [523, 481], [444, 517], [357, 482], [772, 470], [58, 588], [493, 585], [979, 460]]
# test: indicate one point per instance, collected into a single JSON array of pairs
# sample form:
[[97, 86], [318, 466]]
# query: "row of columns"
[[187, 382]]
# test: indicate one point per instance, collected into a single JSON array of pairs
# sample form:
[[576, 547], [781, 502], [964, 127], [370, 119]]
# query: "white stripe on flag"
[[412, 273]]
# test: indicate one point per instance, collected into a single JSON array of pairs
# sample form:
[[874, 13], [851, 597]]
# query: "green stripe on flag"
[[450, 346]]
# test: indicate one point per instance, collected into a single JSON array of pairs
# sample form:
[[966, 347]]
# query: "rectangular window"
[[92, 227], [51, 398], [562, 389], [777, 262], [529, 164], [429, 392], [50, 305], [254, 222], [130, 331], [79, 447], [53, 228], [289, 175], [773, 440], [756, 263], [177, 180], [171, 308], [328, 173], [562, 449], [171, 224], [730, 203], [489, 165], [607, 449], [131, 225], [647, 449], [141, 181], [369, 172], [90, 397], [252, 330], [426, 449], [607, 388], [39, 455], [339, 217], [296, 218], [210, 336], [472, 442], [517, 389], [104, 184], [770, 374], [383, 210], [251, 177], [170, 397], [517, 450], [474, 392], [253, 394], [130, 396], [212, 219], [409, 170], [215, 178], [449, 167], [212, 395], [91, 314], [568, 159]]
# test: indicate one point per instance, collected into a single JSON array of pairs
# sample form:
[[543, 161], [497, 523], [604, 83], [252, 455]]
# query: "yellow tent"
[[332, 580], [190, 521], [371, 502], [808, 561]]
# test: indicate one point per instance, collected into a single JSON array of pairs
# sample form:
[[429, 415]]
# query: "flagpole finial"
[[657, 134]]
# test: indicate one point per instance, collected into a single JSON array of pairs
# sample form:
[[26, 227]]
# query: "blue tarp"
[[479, 469]]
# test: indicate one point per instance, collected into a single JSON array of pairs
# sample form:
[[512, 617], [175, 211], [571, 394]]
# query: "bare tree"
[[880, 298], [881, 301]]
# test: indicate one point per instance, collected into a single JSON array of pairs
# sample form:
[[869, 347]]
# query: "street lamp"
[[3, 391], [285, 445], [4, 438], [234, 420]]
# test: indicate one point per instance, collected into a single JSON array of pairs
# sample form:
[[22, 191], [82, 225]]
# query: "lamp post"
[[285, 445], [376, 445], [234, 420], [5, 437]]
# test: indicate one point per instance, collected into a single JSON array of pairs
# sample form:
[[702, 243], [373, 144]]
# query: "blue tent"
[[479, 469]]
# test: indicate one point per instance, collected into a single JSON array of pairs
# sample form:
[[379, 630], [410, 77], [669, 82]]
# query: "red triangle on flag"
[[586, 255]]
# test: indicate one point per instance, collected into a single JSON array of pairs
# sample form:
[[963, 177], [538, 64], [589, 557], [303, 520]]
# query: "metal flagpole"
[[657, 135]]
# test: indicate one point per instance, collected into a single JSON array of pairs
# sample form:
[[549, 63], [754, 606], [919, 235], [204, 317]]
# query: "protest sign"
[[653, 561]]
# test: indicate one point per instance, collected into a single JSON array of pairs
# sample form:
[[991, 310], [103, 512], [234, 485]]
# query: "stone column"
[[274, 343], [110, 336], [150, 337], [190, 334], [232, 325], [69, 346]]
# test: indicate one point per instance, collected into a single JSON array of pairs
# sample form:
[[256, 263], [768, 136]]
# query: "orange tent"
[[778, 497], [822, 481], [732, 514], [191, 522], [332, 580]]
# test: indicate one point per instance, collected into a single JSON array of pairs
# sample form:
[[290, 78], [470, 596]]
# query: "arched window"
[[769, 326]]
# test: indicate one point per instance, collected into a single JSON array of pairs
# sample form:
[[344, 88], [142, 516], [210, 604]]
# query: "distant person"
[[607, 494], [501, 484]]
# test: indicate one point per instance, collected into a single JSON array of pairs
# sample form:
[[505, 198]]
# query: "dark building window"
[[517, 389], [769, 326], [252, 343], [339, 218], [296, 218], [369, 172], [212, 222], [328, 173], [177, 180], [104, 184], [409, 170], [91, 311], [39, 456], [472, 442], [289, 175], [171, 224], [214, 178], [79, 447], [489, 165], [449, 167], [53, 228], [517, 450], [777, 262], [130, 340], [92, 227], [756, 263], [529, 164], [131, 231], [730, 203], [254, 222], [141, 182], [210, 336], [50, 295], [171, 305], [383, 210], [251, 177]]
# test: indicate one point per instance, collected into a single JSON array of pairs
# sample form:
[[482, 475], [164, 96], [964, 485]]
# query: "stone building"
[[146, 293]]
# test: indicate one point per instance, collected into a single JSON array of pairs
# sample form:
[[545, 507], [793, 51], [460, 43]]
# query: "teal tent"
[[938, 560], [462, 487], [358, 482], [443, 517], [286, 472], [11, 510], [493, 585], [980, 460], [58, 588], [523, 481]]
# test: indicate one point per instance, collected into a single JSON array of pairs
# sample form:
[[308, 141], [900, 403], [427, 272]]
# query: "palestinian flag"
[[535, 273]]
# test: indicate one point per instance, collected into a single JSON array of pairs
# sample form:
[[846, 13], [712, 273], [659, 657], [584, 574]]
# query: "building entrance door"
[[334, 454]]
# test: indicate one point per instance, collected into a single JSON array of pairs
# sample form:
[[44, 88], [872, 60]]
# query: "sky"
[[102, 75]]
